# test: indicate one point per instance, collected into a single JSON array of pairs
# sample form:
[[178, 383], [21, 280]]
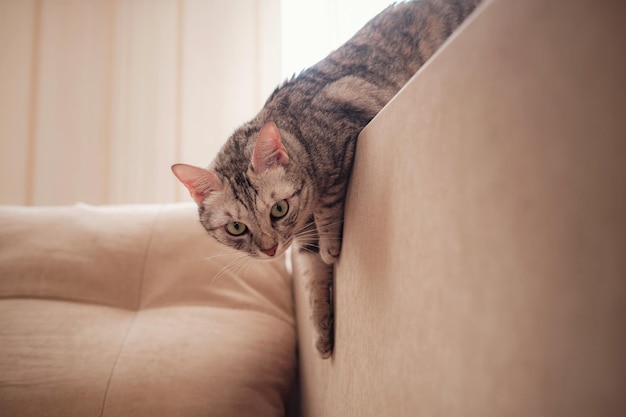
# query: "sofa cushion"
[[134, 311]]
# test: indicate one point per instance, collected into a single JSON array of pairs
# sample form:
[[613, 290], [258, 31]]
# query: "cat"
[[281, 178]]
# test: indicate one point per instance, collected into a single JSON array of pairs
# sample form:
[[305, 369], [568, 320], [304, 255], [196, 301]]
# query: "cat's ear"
[[199, 181], [269, 151]]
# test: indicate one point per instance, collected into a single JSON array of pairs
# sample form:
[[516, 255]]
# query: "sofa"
[[133, 311], [483, 268]]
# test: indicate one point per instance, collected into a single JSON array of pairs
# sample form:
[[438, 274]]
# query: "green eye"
[[236, 228], [279, 210]]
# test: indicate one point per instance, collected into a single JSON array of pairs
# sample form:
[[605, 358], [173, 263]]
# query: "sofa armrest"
[[483, 265]]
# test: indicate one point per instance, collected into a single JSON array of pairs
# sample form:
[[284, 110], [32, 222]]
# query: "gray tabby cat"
[[281, 178]]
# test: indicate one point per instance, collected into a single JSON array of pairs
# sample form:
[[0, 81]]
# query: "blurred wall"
[[99, 97]]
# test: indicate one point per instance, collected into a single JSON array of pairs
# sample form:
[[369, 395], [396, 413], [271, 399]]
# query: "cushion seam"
[[221, 306], [146, 255], [117, 359], [137, 309]]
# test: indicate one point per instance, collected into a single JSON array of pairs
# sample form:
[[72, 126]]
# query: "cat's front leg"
[[319, 283], [329, 224]]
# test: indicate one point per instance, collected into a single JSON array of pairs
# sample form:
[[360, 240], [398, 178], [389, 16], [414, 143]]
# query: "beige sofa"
[[483, 270], [133, 311]]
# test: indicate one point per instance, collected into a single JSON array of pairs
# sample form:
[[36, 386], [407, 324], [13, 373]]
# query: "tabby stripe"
[[298, 190], [243, 191], [290, 221], [316, 76], [338, 199], [309, 247]]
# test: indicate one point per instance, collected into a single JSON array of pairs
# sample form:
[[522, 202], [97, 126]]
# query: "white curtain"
[[313, 28], [99, 97]]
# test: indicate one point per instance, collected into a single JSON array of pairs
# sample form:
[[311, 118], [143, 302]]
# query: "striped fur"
[[319, 114]]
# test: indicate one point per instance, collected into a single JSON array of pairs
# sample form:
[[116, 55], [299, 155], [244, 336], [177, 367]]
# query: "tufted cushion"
[[134, 311]]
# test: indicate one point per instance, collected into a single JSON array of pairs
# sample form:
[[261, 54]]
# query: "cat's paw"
[[323, 323], [324, 345], [330, 249], [322, 314], [329, 226]]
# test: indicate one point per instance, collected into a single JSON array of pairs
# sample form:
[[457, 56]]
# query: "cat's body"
[[283, 176]]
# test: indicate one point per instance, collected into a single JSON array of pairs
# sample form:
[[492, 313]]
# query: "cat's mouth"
[[273, 252]]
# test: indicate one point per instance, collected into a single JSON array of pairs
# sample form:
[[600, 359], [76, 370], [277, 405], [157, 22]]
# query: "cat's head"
[[252, 200]]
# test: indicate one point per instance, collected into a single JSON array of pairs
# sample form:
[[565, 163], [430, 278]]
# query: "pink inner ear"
[[199, 181], [269, 151]]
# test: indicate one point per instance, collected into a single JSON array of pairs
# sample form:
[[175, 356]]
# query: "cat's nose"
[[270, 251]]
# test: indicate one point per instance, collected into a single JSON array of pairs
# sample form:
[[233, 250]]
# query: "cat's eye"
[[279, 210], [236, 228]]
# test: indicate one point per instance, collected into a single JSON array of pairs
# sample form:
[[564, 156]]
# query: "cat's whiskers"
[[247, 265], [229, 267], [251, 262], [310, 228], [306, 249], [306, 229], [315, 236], [331, 236], [230, 253]]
